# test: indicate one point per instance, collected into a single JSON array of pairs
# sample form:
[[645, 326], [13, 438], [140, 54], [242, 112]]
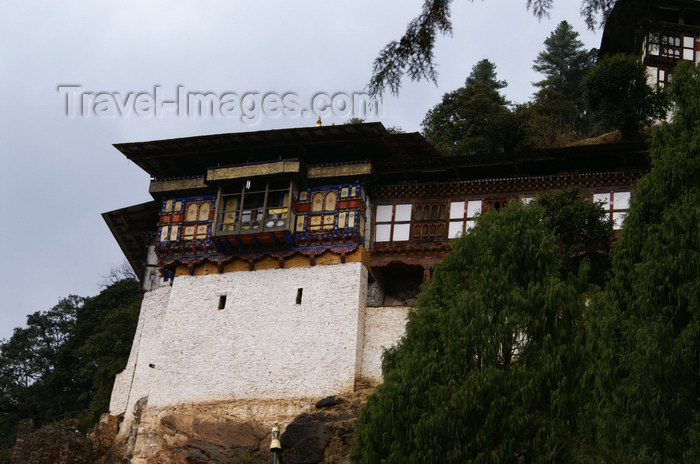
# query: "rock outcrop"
[[322, 434]]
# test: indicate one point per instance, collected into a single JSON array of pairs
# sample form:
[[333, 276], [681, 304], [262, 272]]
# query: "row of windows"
[[671, 46], [430, 222], [171, 233], [394, 222]]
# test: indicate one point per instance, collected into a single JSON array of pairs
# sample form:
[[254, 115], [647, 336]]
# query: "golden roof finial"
[[319, 123]]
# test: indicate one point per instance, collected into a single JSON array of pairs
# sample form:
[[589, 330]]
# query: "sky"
[[59, 170]]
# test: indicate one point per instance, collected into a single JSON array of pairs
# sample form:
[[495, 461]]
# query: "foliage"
[[647, 378], [550, 121], [474, 118], [395, 130], [63, 363], [484, 72], [489, 367], [617, 93], [413, 53], [583, 230], [354, 120], [564, 62], [556, 116]]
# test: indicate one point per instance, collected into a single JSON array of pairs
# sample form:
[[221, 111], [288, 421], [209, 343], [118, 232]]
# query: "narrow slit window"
[[222, 301], [299, 292]]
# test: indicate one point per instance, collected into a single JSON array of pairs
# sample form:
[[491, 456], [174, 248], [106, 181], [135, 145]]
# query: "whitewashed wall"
[[262, 345], [384, 327], [135, 380]]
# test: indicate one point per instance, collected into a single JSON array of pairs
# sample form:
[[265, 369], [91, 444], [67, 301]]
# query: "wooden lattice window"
[[429, 222]]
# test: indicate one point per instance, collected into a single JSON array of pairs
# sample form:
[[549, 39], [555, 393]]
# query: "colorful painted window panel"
[[317, 202], [164, 233], [301, 219]]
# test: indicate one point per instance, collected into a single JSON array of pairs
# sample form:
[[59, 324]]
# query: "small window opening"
[[222, 301], [299, 292]]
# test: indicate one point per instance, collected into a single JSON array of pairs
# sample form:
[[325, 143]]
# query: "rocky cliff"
[[322, 434]]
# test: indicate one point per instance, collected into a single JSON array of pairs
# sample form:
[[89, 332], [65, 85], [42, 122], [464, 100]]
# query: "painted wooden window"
[[252, 206], [323, 207], [670, 45], [462, 216], [196, 221], [616, 204], [429, 222], [393, 223], [663, 77]]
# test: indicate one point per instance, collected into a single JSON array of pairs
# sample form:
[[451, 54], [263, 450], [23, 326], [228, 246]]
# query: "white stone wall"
[[384, 327], [261, 346], [134, 381]]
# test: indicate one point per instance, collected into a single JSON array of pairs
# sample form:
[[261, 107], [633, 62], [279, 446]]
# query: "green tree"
[[488, 369], [556, 116], [484, 72], [413, 53], [564, 62], [474, 118], [26, 360], [550, 121], [64, 361], [617, 94], [647, 378], [583, 231]]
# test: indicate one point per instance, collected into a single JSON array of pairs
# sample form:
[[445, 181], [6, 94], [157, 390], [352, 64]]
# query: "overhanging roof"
[[132, 228], [313, 145], [630, 21]]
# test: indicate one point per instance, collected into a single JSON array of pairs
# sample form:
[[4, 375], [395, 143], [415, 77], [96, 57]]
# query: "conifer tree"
[[647, 395], [489, 367], [556, 116], [474, 118], [564, 62], [413, 53], [484, 72]]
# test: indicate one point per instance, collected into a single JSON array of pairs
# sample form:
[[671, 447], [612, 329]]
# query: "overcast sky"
[[59, 173]]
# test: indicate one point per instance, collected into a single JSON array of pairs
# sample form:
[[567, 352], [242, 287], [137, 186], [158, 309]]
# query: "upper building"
[[277, 265], [660, 32]]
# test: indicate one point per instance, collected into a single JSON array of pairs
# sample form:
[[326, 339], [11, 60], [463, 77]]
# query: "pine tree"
[[488, 369], [484, 72], [647, 379], [474, 118], [564, 62], [413, 53], [556, 116]]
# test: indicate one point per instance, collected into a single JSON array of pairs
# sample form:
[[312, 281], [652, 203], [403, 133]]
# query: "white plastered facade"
[[262, 345]]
